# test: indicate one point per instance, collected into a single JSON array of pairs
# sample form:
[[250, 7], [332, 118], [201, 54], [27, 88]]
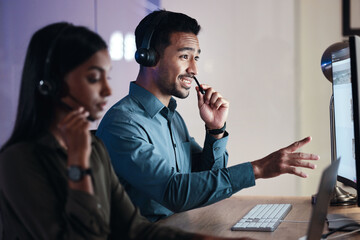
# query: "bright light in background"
[[116, 46], [129, 47], [121, 47]]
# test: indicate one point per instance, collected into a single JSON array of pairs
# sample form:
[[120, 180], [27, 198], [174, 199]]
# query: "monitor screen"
[[354, 46], [343, 116]]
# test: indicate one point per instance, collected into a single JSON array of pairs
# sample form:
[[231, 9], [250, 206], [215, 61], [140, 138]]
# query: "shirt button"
[[99, 205]]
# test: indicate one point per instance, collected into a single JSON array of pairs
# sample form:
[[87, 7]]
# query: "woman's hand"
[[74, 128]]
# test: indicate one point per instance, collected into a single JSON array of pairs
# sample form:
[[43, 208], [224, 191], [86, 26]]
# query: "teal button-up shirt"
[[161, 166]]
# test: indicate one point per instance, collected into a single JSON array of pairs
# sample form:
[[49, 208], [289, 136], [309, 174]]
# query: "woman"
[[56, 181]]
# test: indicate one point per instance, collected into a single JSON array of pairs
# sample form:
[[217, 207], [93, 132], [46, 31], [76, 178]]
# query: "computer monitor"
[[354, 46], [343, 116], [346, 116]]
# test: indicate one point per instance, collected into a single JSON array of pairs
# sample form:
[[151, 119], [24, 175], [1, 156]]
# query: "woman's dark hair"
[[170, 22], [53, 52]]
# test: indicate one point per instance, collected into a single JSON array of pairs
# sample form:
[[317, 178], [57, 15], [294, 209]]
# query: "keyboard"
[[263, 218]]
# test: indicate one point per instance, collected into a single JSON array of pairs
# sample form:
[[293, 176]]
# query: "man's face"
[[177, 65]]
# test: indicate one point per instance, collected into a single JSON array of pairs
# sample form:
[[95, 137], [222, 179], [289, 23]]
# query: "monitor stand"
[[340, 196]]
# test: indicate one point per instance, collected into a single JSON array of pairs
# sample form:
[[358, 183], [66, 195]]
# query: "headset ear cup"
[[152, 58], [141, 55], [146, 57], [45, 88]]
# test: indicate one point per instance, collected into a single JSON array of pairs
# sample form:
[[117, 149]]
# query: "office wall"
[[319, 26]]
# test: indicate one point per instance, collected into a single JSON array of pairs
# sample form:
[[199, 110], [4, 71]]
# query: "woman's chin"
[[93, 117]]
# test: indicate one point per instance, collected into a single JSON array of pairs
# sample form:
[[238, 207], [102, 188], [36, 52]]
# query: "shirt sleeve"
[[213, 156], [136, 161], [31, 199]]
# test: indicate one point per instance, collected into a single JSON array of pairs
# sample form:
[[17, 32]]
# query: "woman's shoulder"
[[98, 146], [18, 149], [16, 155], [16, 159]]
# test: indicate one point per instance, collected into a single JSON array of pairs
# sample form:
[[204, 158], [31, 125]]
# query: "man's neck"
[[144, 81]]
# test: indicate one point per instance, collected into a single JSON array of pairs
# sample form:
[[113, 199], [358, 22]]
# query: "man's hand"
[[285, 160], [213, 107]]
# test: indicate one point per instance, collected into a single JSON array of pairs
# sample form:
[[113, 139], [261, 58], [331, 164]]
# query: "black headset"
[[46, 86], [145, 55]]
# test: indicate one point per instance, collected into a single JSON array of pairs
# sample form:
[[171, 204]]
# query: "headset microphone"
[[200, 88], [69, 108]]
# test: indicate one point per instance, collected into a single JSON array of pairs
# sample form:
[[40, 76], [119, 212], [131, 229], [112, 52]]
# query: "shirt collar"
[[150, 103], [48, 140], [168, 112]]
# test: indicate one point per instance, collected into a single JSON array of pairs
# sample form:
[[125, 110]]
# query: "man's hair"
[[169, 23]]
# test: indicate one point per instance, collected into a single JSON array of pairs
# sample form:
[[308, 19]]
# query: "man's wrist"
[[216, 131], [256, 169]]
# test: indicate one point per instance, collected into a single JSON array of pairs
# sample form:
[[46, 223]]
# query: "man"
[[162, 168]]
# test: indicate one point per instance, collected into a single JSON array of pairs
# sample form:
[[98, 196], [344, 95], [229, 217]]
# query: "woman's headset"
[[46, 85]]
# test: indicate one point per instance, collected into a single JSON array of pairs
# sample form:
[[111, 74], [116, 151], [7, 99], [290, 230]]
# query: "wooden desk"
[[218, 218]]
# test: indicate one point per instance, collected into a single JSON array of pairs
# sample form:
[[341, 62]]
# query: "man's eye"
[[184, 56], [197, 58]]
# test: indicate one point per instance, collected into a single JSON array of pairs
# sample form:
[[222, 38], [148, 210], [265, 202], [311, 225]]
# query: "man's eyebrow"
[[188, 49]]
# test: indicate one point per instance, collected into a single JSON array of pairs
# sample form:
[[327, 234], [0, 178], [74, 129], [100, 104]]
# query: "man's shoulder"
[[124, 106], [126, 110]]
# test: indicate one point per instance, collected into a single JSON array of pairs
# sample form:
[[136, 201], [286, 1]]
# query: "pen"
[[200, 88]]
